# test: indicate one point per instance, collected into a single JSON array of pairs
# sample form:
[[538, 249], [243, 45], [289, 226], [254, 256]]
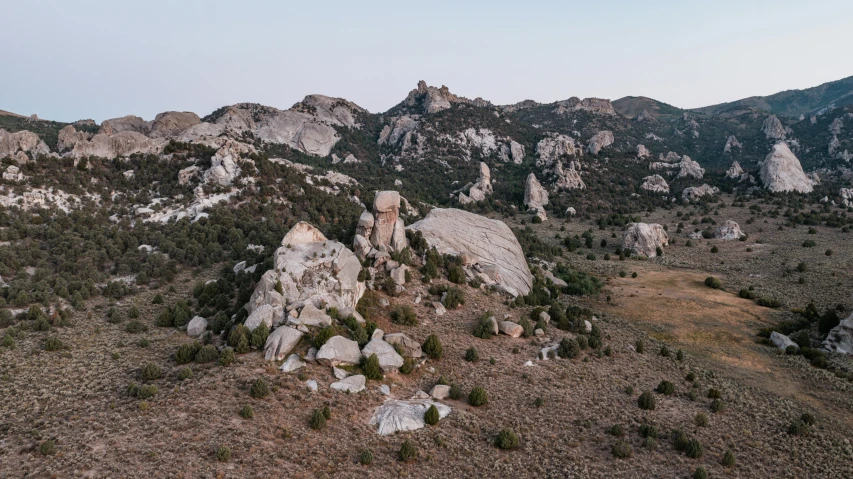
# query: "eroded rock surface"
[[600, 140], [782, 172], [655, 183], [644, 238], [404, 415], [491, 250]]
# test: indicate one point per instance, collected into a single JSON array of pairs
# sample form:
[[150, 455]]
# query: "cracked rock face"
[[731, 142], [112, 145], [172, 123], [693, 193], [840, 339], [339, 350], [655, 183], [535, 196], [734, 171], [21, 141], [690, 169], [782, 172], [399, 415], [600, 140], [567, 179], [644, 238], [728, 231], [126, 123], [387, 227], [492, 250], [309, 268], [643, 152], [774, 129], [554, 147]]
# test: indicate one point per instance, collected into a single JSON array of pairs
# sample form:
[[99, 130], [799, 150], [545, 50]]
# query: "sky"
[[98, 59]]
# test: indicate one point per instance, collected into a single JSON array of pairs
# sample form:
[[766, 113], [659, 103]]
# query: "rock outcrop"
[[383, 228], [553, 148], [281, 342], [600, 140], [781, 341], [734, 171], [782, 172], [339, 350], [840, 338], [567, 179], [598, 106], [731, 142], [535, 196], [643, 152], [690, 169], [480, 189], [69, 137], [774, 129], [126, 123], [172, 123], [728, 231], [512, 151], [655, 183], [388, 358], [398, 128], [490, 250], [308, 268], [224, 168], [693, 193], [644, 239], [27, 142], [404, 415], [433, 100], [113, 145]]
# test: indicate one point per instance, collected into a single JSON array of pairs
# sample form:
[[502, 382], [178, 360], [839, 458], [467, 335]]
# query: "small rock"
[[383, 302], [339, 373], [440, 391], [587, 326], [352, 384], [513, 330], [311, 355], [420, 395], [439, 308], [545, 317], [528, 363], [377, 334], [292, 363], [385, 390], [197, 327], [312, 385], [539, 332]]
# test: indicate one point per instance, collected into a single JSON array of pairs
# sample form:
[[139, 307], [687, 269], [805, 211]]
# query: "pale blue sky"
[[100, 59]]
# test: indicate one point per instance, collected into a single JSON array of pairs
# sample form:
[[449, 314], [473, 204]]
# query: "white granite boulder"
[[389, 360], [404, 415], [281, 342], [339, 350]]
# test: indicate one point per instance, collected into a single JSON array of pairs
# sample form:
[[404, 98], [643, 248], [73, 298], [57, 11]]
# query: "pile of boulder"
[[479, 190], [380, 231]]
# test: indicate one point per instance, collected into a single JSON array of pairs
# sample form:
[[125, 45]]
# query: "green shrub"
[[133, 313], [694, 449], [370, 368], [616, 430], [227, 357], [714, 394], [506, 439], [246, 412], [404, 315], [809, 244], [471, 355], [582, 342], [807, 418], [431, 416], [691, 376], [527, 326], [680, 440], [455, 392], [187, 352], [700, 473], [165, 318], [728, 458], [323, 335], [455, 298], [207, 354], [223, 454], [432, 347], [483, 327], [717, 405], [646, 401], [798, 428], [664, 351], [185, 373], [640, 346], [260, 389], [53, 344], [135, 326], [622, 450], [260, 335], [408, 451], [666, 388], [648, 430], [478, 396], [327, 412], [150, 372], [48, 448], [768, 302], [713, 283], [365, 457], [318, 420], [701, 419], [746, 294], [238, 333], [679, 355], [408, 366], [141, 392], [568, 348]]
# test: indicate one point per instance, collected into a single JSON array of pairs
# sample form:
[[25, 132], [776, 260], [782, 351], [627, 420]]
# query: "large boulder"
[[339, 350], [69, 137], [389, 360], [781, 341], [840, 338], [408, 346], [693, 193], [480, 189], [308, 268], [21, 142], [491, 251], [554, 147], [690, 169], [644, 239], [535, 196], [196, 327], [264, 314], [731, 142], [782, 172], [311, 316], [387, 229], [734, 171], [172, 123], [728, 231], [126, 123], [774, 129], [223, 165], [655, 183], [351, 384], [281, 342], [599, 141], [404, 415]]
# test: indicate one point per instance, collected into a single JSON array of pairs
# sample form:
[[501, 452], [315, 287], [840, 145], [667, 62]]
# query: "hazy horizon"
[[99, 60]]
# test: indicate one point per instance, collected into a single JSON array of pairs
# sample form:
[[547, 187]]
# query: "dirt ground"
[[78, 398]]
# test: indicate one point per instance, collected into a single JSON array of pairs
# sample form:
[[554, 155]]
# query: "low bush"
[[431, 416], [318, 420], [506, 439], [260, 389], [646, 401], [478, 396], [471, 355], [622, 450], [150, 372], [223, 454], [713, 283], [246, 412], [404, 315], [432, 347], [370, 367], [666, 388], [408, 451]]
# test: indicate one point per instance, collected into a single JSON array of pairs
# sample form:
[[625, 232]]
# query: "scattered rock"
[[312, 385], [196, 327], [840, 338], [735, 171], [352, 384], [408, 346], [281, 342], [292, 363], [440, 392], [693, 193], [339, 350], [781, 341], [404, 415], [339, 373], [389, 360], [513, 330], [439, 308]]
